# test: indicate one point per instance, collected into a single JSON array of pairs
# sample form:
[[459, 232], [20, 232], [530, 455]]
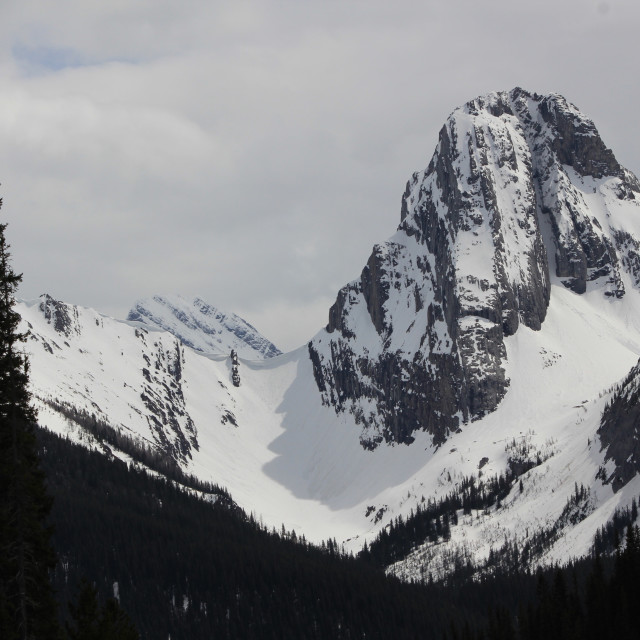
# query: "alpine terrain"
[[474, 395], [203, 327]]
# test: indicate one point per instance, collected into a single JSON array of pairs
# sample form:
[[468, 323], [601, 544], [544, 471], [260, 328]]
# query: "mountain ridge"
[[490, 332], [202, 327]]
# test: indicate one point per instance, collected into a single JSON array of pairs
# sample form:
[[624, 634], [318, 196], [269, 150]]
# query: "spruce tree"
[[84, 614], [89, 621], [27, 605], [115, 623]]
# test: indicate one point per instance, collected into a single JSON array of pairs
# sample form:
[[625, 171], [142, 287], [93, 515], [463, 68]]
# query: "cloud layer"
[[251, 153]]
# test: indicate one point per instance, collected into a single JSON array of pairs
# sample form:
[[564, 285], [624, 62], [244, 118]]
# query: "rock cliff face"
[[518, 193], [619, 431], [62, 317]]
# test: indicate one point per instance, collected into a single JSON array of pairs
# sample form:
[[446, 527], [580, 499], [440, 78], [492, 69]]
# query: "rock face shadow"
[[319, 455]]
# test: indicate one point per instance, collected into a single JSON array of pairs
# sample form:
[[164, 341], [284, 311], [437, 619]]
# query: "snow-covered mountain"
[[202, 327], [520, 187], [493, 335]]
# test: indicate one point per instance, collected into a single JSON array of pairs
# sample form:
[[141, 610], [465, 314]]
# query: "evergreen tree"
[[115, 623], [27, 606], [91, 622], [84, 614]]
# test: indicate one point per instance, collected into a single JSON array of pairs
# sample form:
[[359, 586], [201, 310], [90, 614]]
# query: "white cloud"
[[252, 152]]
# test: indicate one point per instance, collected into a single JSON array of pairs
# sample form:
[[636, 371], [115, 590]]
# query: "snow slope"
[[291, 460]]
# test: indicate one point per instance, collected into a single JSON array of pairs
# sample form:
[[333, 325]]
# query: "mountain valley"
[[492, 340]]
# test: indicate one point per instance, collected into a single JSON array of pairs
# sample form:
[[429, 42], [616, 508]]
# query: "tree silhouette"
[[27, 606]]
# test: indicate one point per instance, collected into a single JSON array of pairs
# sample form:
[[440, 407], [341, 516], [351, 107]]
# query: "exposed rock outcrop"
[[619, 430], [62, 317]]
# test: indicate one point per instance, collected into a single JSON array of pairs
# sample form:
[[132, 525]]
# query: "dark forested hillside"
[[185, 567], [188, 568], [595, 599]]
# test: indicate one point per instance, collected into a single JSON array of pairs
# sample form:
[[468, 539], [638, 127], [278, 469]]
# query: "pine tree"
[[115, 623], [85, 615], [89, 621], [27, 606]]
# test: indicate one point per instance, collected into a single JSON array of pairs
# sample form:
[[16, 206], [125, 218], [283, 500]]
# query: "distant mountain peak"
[[202, 326]]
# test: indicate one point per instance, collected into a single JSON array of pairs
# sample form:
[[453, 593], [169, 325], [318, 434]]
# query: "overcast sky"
[[251, 153]]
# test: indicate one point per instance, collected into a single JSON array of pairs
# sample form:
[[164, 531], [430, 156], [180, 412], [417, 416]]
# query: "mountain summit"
[[521, 192]]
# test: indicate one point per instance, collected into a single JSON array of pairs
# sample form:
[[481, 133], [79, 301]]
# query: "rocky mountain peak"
[[203, 327], [61, 316], [521, 193]]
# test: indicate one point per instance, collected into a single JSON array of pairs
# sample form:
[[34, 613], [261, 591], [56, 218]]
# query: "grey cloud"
[[251, 153]]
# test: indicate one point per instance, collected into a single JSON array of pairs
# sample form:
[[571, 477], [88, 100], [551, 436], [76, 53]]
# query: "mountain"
[[466, 400], [520, 190], [202, 327]]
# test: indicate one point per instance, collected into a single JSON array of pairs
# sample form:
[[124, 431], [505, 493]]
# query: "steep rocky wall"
[[417, 342], [619, 430]]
